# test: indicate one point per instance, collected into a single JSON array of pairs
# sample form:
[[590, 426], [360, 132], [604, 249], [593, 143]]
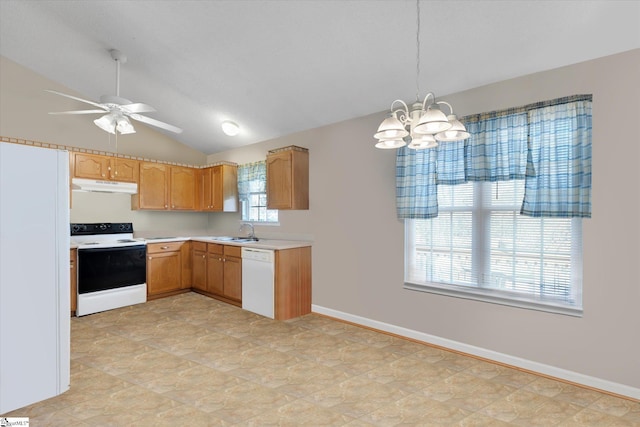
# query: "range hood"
[[81, 184]]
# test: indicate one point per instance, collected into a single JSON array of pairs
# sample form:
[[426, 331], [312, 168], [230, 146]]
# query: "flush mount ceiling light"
[[422, 125], [230, 128]]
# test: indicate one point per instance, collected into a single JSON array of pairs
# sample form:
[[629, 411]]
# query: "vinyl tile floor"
[[190, 360]]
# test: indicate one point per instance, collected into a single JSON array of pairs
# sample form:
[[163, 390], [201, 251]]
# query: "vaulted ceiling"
[[277, 67]]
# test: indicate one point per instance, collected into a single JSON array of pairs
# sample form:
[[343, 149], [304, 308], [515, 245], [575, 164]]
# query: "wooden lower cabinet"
[[224, 273], [217, 272], [73, 263], [166, 269], [222, 270], [199, 266], [292, 283], [233, 273]]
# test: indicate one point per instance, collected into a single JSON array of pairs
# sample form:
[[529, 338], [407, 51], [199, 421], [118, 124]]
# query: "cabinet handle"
[[165, 206], [219, 259], [164, 247], [204, 256], [150, 258]]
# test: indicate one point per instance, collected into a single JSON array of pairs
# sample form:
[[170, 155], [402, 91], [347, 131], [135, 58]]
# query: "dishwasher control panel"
[[264, 255]]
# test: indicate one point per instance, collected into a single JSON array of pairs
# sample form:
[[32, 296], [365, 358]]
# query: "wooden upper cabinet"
[[153, 187], [288, 178], [126, 170], [182, 193], [219, 188], [165, 187], [90, 166], [106, 168], [205, 191]]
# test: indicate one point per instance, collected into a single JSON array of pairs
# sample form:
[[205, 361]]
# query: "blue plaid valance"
[[548, 144]]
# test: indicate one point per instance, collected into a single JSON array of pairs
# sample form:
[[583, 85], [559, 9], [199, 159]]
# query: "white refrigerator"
[[34, 275]]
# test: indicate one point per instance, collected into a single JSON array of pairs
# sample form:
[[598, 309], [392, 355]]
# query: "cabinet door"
[[187, 265], [215, 273], [199, 269], [125, 170], [233, 278], [163, 272], [90, 166], [183, 188], [206, 190], [279, 180], [154, 182], [217, 196]]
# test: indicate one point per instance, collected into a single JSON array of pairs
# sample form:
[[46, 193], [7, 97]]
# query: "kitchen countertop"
[[274, 244]]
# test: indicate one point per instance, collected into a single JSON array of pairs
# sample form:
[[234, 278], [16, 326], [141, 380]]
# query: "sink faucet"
[[252, 233]]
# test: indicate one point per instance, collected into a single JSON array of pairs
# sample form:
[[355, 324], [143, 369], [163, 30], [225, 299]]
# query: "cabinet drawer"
[[199, 246], [234, 251], [164, 247], [215, 248]]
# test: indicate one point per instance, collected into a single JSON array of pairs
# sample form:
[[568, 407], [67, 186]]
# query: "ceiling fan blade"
[[80, 112], [156, 123], [138, 107], [95, 104]]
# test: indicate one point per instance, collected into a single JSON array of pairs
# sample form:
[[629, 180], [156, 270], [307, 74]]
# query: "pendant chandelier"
[[424, 124]]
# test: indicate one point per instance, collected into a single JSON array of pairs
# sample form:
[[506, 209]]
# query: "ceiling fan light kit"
[[424, 124], [118, 110]]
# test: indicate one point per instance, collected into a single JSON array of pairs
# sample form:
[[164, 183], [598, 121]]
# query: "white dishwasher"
[[258, 281]]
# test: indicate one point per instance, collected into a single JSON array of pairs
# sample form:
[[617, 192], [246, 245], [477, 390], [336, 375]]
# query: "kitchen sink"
[[235, 239]]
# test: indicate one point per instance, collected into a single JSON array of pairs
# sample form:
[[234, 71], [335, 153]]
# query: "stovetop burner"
[[103, 235]]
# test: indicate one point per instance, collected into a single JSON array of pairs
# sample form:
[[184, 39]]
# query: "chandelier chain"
[[418, 51]]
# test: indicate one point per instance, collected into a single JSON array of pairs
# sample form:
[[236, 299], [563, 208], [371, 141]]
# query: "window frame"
[[480, 252], [256, 170], [246, 206]]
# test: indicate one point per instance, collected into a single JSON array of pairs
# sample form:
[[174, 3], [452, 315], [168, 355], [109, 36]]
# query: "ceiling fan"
[[118, 110]]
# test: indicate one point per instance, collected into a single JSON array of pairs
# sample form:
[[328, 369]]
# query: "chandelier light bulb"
[[456, 132]]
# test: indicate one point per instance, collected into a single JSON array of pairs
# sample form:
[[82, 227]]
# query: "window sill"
[[493, 297]]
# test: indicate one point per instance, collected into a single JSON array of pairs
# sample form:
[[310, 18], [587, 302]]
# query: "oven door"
[[102, 269]]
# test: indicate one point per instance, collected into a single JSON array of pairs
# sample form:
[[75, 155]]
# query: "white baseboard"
[[541, 368]]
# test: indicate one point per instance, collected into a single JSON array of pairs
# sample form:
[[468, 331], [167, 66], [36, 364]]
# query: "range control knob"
[[102, 227]]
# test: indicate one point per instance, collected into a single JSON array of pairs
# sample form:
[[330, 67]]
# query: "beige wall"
[[358, 242]]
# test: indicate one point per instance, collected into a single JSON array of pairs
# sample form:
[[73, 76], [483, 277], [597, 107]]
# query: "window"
[[498, 216], [252, 182], [479, 246]]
